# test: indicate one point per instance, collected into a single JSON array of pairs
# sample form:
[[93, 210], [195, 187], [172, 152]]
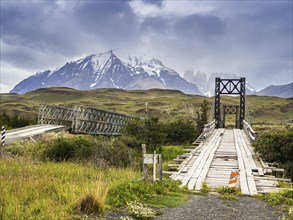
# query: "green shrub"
[[155, 133], [227, 190], [204, 189], [140, 191], [180, 132], [149, 131], [280, 198], [102, 151], [61, 150], [277, 147]]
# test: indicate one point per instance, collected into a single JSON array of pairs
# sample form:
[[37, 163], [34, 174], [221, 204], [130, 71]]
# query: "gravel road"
[[211, 207]]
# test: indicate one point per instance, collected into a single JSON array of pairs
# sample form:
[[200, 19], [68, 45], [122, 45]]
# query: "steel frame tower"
[[229, 87]]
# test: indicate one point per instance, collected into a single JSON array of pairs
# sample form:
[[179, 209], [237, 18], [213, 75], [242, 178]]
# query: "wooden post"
[[154, 167], [160, 167], [144, 166]]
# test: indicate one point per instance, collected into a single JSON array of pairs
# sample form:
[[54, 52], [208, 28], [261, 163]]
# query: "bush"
[[180, 132], [140, 191], [155, 133], [15, 121], [149, 131], [102, 151], [277, 147]]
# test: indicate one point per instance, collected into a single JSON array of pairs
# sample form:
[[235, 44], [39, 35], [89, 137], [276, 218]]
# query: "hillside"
[[284, 91], [163, 103]]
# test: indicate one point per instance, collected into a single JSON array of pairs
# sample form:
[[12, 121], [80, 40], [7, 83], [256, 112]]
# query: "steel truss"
[[83, 119], [229, 87]]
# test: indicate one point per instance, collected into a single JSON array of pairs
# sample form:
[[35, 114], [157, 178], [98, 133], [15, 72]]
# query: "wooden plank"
[[247, 151], [190, 172], [243, 181], [202, 175], [248, 171]]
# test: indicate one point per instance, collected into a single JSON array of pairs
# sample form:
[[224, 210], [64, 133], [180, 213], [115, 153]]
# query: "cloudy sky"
[[249, 38]]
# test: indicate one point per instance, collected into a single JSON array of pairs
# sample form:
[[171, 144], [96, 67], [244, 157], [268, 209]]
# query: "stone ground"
[[211, 207]]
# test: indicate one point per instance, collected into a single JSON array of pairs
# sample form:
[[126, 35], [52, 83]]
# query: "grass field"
[[52, 190], [66, 190], [166, 104]]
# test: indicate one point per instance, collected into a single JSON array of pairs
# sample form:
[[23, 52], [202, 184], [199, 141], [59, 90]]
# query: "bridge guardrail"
[[249, 131], [208, 129]]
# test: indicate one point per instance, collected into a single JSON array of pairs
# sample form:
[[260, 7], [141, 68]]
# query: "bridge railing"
[[249, 131], [208, 129]]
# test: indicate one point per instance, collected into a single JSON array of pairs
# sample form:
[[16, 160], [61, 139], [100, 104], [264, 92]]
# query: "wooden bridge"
[[215, 154], [219, 151]]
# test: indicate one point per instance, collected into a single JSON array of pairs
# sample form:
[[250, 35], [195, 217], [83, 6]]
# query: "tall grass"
[[54, 190]]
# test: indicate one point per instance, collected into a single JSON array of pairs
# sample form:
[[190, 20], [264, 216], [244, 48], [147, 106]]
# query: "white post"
[[3, 135]]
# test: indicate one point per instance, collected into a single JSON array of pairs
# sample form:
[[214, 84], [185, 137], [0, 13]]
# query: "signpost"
[[153, 159]]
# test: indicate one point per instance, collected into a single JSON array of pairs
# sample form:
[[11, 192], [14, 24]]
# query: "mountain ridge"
[[283, 91], [109, 70]]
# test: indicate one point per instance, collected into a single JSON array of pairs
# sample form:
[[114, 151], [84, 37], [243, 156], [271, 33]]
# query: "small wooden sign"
[[149, 158], [154, 159]]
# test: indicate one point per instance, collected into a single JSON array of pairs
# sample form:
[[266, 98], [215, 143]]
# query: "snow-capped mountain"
[[283, 91], [112, 69], [207, 85]]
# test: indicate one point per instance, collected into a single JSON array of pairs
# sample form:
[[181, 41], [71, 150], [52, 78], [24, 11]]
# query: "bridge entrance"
[[229, 87]]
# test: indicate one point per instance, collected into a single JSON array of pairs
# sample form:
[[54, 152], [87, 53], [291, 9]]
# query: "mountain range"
[[109, 70], [116, 69]]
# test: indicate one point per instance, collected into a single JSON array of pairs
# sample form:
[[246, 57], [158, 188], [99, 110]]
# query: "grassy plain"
[[166, 104]]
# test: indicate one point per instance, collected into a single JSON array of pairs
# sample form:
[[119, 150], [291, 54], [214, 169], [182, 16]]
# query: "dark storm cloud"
[[113, 21], [37, 24], [199, 26]]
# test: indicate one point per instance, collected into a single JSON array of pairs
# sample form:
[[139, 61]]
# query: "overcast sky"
[[248, 38]]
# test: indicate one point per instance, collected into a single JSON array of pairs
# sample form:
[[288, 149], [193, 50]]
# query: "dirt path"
[[211, 207]]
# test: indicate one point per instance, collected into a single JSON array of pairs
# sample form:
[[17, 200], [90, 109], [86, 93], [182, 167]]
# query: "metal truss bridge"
[[84, 119]]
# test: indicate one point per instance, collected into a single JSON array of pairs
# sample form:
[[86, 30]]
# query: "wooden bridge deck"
[[213, 160]]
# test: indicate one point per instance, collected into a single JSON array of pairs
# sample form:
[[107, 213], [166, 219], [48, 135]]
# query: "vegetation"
[[283, 198], [101, 151], [277, 146], [63, 176], [204, 189], [55, 190], [14, 121], [228, 193], [202, 116], [155, 133]]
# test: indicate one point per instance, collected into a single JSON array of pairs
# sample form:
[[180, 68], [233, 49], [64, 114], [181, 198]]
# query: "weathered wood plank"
[[243, 181]]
